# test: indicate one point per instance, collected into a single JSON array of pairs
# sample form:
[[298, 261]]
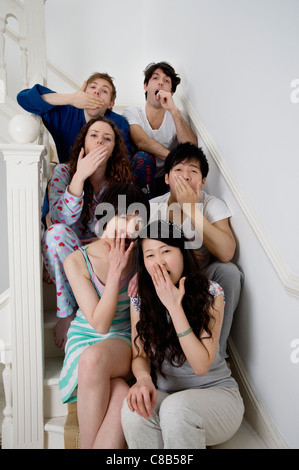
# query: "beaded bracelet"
[[179, 335]]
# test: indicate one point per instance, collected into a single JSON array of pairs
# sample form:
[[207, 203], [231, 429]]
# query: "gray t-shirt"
[[183, 377]]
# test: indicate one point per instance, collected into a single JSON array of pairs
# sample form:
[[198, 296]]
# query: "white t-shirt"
[[211, 207], [165, 135]]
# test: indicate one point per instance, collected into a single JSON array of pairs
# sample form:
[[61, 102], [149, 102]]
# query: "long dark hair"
[[154, 330], [118, 166]]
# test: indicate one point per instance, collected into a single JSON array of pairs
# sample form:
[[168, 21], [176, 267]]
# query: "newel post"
[[23, 162]]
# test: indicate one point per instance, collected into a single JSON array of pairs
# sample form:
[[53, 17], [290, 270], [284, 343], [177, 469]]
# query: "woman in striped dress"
[[98, 350]]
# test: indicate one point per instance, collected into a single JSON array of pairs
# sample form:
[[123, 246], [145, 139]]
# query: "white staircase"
[[55, 411], [34, 416]]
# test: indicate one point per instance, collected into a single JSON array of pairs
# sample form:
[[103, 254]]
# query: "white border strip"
[[289, 280]]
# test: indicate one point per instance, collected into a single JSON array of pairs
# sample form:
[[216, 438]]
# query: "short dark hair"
[[167, 69], [190, 152]]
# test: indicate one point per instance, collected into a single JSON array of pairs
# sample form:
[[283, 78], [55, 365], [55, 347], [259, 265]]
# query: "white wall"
[[96, 36], [237, 59]]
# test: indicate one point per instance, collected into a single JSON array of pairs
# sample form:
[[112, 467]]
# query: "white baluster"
[[7, 425], [3, 78], [23, 163], [24, 61]]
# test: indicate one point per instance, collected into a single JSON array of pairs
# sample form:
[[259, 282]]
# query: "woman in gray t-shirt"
[[184, 396]]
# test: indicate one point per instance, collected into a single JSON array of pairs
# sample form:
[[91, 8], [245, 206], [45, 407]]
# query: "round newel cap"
[[24, 128]]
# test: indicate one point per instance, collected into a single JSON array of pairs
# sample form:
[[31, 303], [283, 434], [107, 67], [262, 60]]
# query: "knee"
[[126, 413], [225, 274], [55, 234], [175, 411], [61, 240], [92, 365], [233, 272], [129, 419], [144, 158], [119, 389]]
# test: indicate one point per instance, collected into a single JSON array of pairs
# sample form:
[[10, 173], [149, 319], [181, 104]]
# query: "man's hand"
[[184, 193], [166, 100], [82, 100]]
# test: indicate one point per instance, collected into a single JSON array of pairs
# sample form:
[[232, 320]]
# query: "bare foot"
[[61, 329], [46, 276]]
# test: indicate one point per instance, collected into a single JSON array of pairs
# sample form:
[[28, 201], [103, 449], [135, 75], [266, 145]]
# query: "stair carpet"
[[55, 411]]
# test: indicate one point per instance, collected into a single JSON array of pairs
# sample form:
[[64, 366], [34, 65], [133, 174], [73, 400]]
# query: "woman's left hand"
[[118, 256], [168, 293]]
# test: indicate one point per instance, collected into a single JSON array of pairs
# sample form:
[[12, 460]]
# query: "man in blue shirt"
[[64, 114]]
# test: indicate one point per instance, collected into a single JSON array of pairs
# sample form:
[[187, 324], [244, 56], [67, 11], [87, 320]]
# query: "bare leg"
[[110, 435], [99, 397], [61, 329]]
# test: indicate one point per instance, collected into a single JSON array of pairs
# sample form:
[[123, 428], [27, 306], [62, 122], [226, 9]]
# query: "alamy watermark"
[[294, 96], [192, 232], [295, 353]]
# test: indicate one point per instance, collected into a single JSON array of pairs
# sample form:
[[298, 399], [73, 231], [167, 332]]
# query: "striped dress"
[[81, 334]]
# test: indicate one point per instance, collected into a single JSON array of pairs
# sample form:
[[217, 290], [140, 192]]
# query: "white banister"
[[5, 358], [35, 39], [3, 77], [7, 425], [30, 18], [23, 163]]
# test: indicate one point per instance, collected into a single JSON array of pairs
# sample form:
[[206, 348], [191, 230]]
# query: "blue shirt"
[[64, 122]]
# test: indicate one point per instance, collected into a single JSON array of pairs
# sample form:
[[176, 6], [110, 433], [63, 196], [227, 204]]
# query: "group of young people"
[[141, 259]]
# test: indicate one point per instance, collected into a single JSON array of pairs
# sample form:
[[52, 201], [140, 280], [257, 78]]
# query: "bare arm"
[[99, 312], [200, 354], [146, 143], [184, 132], [143, 394], [218, 237]]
